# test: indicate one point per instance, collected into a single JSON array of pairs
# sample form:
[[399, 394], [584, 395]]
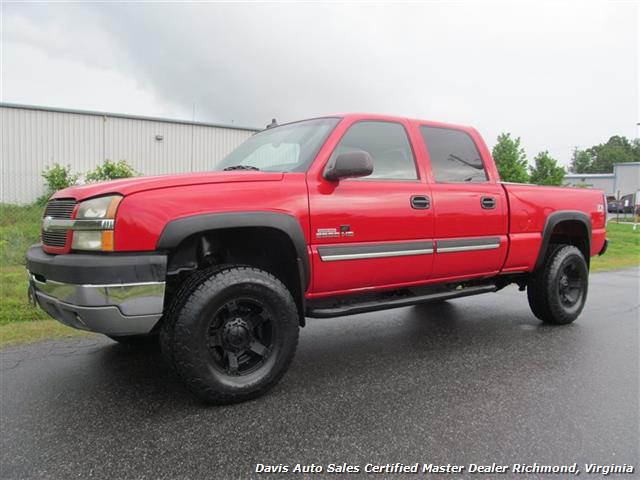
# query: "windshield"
[[289, 148]]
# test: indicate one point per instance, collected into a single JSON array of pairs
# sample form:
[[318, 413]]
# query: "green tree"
[[546, 170], [111, 170], [510, 159], [56, 177], [617, 150], [601, 158], [581, 161], [635, 146]]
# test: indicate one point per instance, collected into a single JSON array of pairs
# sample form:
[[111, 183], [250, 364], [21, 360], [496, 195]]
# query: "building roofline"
[[124, 115], [590, 175]]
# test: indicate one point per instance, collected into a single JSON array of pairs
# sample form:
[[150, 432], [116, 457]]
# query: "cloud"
[[558, 74]]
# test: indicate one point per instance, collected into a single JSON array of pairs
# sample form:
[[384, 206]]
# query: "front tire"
[[558, 291], [234, 335]]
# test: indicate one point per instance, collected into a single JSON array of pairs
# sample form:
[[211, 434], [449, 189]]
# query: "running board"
[[351, 306]]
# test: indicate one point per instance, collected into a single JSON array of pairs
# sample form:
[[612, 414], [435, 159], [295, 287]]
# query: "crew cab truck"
[[319, 218]]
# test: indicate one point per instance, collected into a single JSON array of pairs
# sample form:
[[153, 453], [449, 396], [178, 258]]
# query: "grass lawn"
[[623, 250], [27, 332], [20, 228]]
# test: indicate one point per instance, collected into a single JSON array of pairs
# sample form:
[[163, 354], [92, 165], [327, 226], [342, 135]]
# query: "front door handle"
[[420, 202], [488, 203]]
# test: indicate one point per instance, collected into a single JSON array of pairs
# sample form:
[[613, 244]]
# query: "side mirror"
[[348, 165]]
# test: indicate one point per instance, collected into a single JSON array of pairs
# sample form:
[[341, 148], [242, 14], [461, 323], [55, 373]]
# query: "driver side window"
[[388, 145]]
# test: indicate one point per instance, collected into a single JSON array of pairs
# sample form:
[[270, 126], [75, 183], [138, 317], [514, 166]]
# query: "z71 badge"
[[344, 231]]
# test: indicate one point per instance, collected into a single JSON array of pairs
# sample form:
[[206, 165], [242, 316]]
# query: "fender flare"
[[177, 230], [552, 221]]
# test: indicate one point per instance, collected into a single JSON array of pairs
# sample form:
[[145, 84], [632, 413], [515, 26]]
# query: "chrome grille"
[[57, 209], [54, 239]]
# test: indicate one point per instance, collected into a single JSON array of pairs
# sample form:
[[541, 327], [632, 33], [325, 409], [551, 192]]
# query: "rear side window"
[[454, 156], [388, 145]]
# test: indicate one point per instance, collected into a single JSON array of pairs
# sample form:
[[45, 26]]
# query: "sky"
[[557, 74]]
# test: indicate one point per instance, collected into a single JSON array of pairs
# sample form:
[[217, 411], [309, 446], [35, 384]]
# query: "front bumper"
[[114, 294]]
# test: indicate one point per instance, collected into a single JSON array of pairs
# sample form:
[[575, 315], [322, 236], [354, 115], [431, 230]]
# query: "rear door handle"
[[420, 202], [488, 203]]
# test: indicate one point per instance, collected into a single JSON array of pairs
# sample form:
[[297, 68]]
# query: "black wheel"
[[135, 341], [234, 334], [558, 291]]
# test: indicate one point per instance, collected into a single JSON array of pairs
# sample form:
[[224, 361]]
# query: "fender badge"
[[327, 233], [345, 231]]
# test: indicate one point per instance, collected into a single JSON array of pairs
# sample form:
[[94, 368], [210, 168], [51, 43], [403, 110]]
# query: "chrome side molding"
[[403, 249], [467, 244], [381, 250]]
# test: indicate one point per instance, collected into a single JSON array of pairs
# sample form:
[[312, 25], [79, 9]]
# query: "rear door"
[[375, 231], [471, 211]]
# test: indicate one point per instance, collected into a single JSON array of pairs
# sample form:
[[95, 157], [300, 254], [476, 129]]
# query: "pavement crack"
[[15, 365]]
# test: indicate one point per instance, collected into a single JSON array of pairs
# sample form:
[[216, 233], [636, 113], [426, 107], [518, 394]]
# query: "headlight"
[[97, 235], [90, 240], [103, 207]]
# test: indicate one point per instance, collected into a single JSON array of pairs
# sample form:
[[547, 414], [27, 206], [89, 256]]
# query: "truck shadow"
[[345, 341], [380, 360], [425, 339]]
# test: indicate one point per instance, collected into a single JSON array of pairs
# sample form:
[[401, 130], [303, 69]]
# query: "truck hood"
[[127, 186]]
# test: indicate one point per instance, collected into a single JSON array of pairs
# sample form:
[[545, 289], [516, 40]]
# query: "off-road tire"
[[185, 333], [545, 286], [171, 310]]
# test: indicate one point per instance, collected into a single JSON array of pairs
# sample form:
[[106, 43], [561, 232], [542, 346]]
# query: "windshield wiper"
[[466, 162], [240, 167]]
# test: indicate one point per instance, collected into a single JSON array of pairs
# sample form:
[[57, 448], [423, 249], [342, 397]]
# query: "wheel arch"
[[279, 233], [566, 226]]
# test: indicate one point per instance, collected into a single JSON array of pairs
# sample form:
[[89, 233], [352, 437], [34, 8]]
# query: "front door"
[[375, 231]]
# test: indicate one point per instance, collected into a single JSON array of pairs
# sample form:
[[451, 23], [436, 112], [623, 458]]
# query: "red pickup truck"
[[319, 218]]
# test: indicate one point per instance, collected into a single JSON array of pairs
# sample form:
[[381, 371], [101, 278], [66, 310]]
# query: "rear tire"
[[234, 334], [557, 292]]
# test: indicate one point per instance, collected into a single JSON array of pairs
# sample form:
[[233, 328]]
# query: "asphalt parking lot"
[[476, 379]]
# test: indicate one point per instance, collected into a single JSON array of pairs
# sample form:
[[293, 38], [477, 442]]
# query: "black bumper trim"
[[96, 269], [604, 248]]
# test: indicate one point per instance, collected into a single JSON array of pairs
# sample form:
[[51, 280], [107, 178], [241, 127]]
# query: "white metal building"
[[36, 137], [624, 180], [627, 178], [601, 181]]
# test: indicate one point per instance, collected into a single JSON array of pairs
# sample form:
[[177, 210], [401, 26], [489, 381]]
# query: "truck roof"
[[395, 118]]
